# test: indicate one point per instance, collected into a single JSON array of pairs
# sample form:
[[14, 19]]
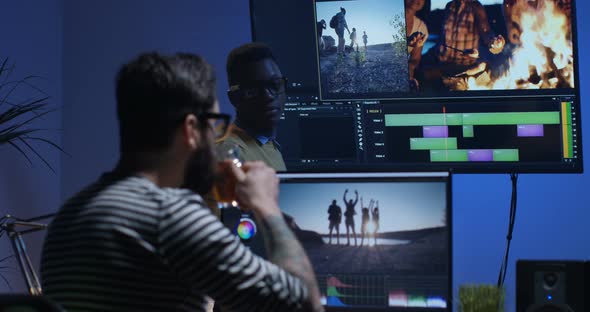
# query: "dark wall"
[[98, 36], [31, 37]]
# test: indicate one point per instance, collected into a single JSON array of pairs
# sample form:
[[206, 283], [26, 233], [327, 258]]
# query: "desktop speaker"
[[551, 286]]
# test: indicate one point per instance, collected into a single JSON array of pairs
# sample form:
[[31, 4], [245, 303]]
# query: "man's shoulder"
[[131, 191], [236, 136]]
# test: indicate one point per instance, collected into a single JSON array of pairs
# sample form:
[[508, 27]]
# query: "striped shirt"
[[125, 244]]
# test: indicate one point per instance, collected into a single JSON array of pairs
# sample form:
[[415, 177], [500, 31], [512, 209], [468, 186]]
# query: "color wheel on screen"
[[246, 228]]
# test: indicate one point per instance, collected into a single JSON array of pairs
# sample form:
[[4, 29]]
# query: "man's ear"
[[190, 131]]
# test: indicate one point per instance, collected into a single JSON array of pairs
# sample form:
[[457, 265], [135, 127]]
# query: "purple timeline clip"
[[530, 130], [480, 155], [435, 131]]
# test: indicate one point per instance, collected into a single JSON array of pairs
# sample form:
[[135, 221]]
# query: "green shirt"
[[251, 149]]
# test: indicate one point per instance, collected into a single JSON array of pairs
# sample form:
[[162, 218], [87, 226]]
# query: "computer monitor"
[[399, 257], [492, 87]]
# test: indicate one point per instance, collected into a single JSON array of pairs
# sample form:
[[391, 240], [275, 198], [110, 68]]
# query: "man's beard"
[[200, 170]]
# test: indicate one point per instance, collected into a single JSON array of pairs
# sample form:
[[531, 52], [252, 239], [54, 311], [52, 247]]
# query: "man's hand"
[[257, 188], [414, 85], [497, 44], [416, 39], [472, 53]]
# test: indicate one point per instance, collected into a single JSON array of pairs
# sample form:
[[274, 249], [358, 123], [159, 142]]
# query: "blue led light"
[[549, 297]]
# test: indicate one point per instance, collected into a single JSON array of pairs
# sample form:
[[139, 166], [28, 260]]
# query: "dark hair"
[[343, 10], [424, 12], [155, 93], [246, 54]]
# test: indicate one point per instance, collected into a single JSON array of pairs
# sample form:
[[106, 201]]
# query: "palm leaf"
[[5, 258], [26, 81], [6, 281], [5, 138], [3, 66], [19, 115], [22, 109], [14, 127], [37, 153], [7, 70], [21, 151], [48, 142]]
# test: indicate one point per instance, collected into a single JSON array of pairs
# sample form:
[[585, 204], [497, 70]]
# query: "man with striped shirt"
[[136, 241]]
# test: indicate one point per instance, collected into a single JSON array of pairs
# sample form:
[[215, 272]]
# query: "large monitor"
[[387, 248], [426, 85]]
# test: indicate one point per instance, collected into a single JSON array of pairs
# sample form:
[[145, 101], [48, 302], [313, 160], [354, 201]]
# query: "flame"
[[544, 36]]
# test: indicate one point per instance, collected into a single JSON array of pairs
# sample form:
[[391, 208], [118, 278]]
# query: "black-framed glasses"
[[218, 122], [255, 88]]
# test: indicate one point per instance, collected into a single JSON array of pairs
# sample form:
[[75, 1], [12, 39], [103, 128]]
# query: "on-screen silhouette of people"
[[366, 218], [349, 216], [375, 218], [341, 25], [321, 25], [365, 39], [353, 39], [335, 218]]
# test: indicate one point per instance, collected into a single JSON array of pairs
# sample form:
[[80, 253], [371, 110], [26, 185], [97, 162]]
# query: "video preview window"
[[361, 48], [378, 49]]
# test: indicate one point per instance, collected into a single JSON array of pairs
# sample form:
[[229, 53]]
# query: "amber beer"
[[224, 186]]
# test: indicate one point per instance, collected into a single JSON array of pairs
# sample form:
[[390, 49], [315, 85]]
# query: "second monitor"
[[377, 242]]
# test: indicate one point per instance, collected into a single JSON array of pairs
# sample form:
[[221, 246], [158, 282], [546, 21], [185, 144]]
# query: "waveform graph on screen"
[[353, 290], [419, 293]]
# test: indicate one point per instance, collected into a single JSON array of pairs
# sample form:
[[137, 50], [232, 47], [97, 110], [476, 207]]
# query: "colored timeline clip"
[[246, 228]]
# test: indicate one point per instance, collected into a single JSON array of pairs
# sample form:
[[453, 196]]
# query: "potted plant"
[[481, 298], [16, 117], [17, 130]]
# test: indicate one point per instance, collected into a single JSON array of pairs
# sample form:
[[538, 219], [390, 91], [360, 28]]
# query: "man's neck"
[[256, 132], [164, 174]]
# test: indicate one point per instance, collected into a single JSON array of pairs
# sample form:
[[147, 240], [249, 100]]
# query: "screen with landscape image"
[[406, 85], [340, 77], [374, 242]]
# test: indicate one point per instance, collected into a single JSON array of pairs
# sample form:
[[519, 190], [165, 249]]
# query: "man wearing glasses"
[[142, 239], [257, 91]]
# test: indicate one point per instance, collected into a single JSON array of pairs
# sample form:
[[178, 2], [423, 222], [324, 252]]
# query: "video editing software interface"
[[396, 254], [394, 85]]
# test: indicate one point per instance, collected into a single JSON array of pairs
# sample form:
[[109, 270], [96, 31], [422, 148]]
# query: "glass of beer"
[[224, 187]]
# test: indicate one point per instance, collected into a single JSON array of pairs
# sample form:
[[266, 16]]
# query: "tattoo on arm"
[[285, 251]]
